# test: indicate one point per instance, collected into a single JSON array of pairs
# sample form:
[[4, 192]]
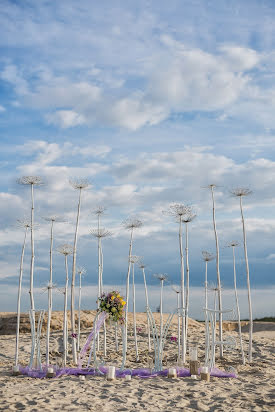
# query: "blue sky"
[[150, 101]]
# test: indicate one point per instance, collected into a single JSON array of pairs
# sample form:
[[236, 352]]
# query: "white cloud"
[[2, 108], [240, 58], [66, 119]]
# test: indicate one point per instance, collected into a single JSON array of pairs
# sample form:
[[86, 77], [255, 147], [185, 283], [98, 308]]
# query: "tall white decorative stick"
[[212, 187], [129, 224], [233, 245], [240, 192], [177, 290], [65, 250], [32, 181], [79, 185], [142, 266], [207, 257], [179, 211], [134, 259], [187, 219], [52, 220], [81, 272], [100, 233], [161, 277], [26, 225]]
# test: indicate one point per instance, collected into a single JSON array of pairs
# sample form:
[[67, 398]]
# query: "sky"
[[150, 102]]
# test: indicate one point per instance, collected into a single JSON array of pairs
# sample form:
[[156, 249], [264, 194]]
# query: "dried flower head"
[[189, 217], [214, 287], [23, 223], [135, 259], [65, 249], [207, 257], [176, 288], [241, 191], [234, 243], [161, 276], [177, 210], [49, 286], [99, 210], [54, 218], [132, 223], [100, 233], [81, 271], [142, 265], [79, 183], [30, 180]]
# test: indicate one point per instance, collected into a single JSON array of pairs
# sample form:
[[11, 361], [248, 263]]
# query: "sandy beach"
[[253, 390]]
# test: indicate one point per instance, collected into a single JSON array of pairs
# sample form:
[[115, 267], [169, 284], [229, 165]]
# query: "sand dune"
[[254, 389]]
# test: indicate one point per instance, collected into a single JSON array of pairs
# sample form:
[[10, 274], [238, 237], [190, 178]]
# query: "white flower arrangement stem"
[[32, 251], [183, 343], [50, 298], [99, 291], [206, 321], [178, 312], [161, 311], [248, 285], [19, 297], [187, 282], [147, 305], [74, 353], [237, 305], [217, 268], [79, 312], [65, 321], [134, 311], [127, 288]]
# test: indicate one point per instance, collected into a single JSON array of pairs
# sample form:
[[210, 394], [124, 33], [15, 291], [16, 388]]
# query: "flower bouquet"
[[113, 304]]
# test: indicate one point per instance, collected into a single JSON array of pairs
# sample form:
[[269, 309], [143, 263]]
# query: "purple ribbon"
[[101, 319], [141, 372]]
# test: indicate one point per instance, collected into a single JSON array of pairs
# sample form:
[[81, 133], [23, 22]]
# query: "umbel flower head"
[[81, 271], [30, 180], [161, 276], [207, 257], [132, 223], [233, 243], [241, 191], [100, 233], [79, 183], [177, 210], [65, 249], [54, 218], [176, 288], [99, 210], [135, 259]]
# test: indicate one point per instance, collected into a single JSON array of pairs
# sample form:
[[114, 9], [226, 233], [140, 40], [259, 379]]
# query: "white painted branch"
[[147, 305], [73, 280], [19, 298], [248, 286], [79, 312], [50, 297], [218, 270], [187, 282], [65, 321], [134, 311], [237, 306], [127, 288], [183, 343]]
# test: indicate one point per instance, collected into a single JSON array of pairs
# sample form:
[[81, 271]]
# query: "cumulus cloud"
[[176, 78]]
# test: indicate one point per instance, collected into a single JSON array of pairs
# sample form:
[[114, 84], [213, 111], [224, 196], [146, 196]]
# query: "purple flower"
[[74, 335], [173, 339], [139, 330]]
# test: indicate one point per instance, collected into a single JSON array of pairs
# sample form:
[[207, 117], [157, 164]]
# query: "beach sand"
[[253, 390]]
